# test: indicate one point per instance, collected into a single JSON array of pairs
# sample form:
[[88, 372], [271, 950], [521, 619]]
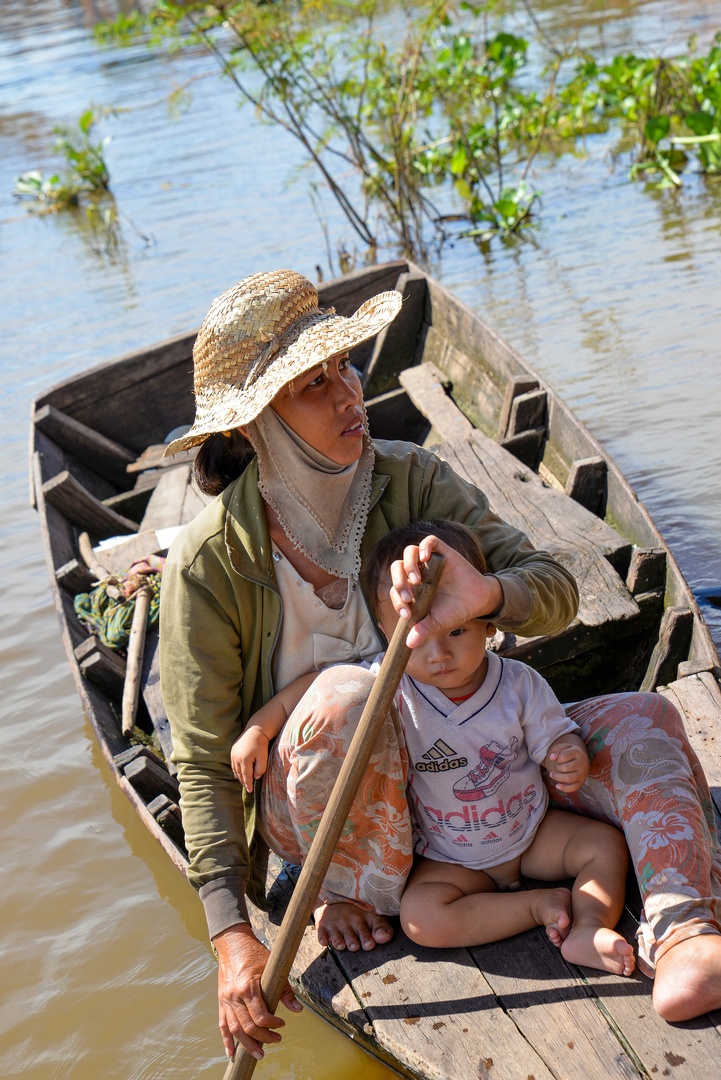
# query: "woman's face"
[[325, 407]]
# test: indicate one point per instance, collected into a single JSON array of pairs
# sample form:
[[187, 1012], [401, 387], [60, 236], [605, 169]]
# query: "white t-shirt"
[[475, 784]]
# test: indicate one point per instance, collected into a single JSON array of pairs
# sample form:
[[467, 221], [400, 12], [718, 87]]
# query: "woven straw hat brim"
[[326, 336]]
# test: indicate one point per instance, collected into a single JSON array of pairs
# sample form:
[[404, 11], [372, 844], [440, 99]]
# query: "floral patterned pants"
[[644, 778]]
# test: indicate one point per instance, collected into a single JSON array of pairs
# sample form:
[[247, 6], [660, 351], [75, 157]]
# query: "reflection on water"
[[614, 299]]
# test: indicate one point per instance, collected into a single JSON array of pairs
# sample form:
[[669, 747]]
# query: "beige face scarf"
[[322, 506]]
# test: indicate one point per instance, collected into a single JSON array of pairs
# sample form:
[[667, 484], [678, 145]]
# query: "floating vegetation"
[[450, 100]]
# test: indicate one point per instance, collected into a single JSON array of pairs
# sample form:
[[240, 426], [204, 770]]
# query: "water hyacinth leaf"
[[507, 208], [700, 123], [656, 128]]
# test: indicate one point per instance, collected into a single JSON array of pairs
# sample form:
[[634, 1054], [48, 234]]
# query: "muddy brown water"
[[105, 968]]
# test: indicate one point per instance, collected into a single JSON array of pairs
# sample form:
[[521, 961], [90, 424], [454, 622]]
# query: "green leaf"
[[656, 128], [507, 208], [86, 121], [701, 123], [459, 161]]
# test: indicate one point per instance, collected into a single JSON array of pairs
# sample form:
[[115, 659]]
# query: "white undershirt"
[[313, 636]]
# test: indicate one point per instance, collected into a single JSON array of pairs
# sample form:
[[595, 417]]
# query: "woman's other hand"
[[462, 594], [243, 1014], [249, 757]]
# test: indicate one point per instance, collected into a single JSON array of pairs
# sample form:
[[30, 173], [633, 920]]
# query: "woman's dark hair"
[[220, 460], [377, 563]]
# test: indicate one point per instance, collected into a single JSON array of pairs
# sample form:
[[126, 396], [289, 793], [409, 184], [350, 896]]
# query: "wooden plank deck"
[[513, 1009]]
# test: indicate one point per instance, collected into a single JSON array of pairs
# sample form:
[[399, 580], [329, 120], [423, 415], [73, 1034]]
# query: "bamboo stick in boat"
[[136, 647]]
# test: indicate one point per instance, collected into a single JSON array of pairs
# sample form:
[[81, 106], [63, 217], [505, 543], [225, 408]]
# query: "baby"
[[478, 729]]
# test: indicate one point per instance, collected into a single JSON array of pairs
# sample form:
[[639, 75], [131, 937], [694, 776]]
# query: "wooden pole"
[[136, 647], [324, 844]]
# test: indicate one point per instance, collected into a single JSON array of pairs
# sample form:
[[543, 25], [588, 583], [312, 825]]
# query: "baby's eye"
[[457, 632]]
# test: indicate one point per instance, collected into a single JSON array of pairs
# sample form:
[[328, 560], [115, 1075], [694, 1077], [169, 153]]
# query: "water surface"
[[615, 300]]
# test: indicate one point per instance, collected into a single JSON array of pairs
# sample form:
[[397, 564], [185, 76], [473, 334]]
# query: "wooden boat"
[[438, 375]]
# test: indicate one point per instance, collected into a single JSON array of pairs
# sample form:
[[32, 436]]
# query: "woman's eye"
[[317, 380], [344, 364]]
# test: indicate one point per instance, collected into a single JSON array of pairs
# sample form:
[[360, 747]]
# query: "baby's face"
[[452, 660]]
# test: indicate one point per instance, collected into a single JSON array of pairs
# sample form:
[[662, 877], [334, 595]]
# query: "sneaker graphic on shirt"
[[490, 772]]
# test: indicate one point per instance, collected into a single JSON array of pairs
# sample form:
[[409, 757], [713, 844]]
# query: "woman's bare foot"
[[345, 926], [552, 908], [688, 979], [598, 947]]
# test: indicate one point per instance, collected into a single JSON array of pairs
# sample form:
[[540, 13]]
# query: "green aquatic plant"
[[439, 98], [85, 175]]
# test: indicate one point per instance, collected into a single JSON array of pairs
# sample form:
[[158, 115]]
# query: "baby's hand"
[[568, 764], [249, 757]]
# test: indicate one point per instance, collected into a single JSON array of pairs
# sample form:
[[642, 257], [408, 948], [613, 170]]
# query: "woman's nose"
[[347, 389]]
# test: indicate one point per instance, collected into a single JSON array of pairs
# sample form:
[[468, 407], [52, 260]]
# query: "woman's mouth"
[[354, 431]]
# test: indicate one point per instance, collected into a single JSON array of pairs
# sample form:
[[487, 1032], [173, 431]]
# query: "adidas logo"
[[440, 758]]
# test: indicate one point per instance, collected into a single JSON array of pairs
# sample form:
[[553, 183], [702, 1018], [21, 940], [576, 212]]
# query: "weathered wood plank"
[[131, 504], [586, 484], [424, 387], [475, 391], [104, 456], [553, 1007], [55, 461], [74, 577], [150, 779], [117, 558], [134, 400], [435, 1012], [102, 666], [691, 1051], [394, 416], [78, 505], [698, 699], [152, 458], [552, 521], [647, 570], [519, 384], [527, 446], [528, 412], [193, 502], [167, 814], [166, 503], [396, 346], [671, 648], [582, 661]]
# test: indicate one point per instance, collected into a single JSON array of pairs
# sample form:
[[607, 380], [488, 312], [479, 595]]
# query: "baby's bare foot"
[[346, 926], [552, 908], [598, 947]]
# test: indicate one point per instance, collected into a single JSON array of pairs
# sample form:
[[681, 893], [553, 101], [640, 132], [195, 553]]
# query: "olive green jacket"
[[219, 623]]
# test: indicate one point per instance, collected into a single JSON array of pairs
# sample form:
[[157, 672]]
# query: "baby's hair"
[[377, 564]]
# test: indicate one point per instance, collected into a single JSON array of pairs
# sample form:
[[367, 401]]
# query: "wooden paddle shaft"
[[136, 648], [334, 817]]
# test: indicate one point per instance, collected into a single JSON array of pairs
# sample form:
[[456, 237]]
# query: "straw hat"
[[259, 335]]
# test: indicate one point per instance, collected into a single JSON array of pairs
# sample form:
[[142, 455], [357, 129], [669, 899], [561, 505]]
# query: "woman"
[[262, 587]]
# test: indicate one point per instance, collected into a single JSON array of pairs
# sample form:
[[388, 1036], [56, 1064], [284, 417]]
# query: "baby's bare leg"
[[596, 856], [449, 906]]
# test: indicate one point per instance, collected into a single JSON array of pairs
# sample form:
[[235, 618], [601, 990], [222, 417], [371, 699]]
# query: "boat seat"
[[595, 553]]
